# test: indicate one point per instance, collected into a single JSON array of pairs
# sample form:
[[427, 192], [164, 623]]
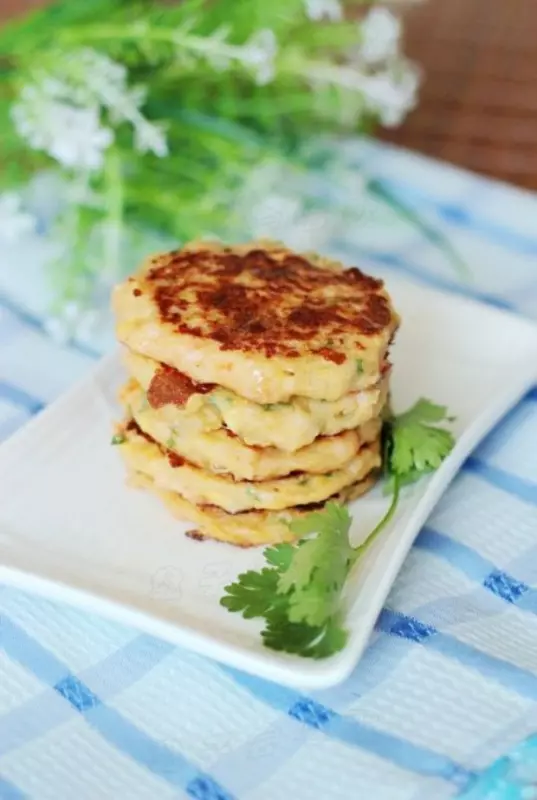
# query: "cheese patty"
[[247, 529], [287, 426], [258, 320], [221, 451], [174, 474]]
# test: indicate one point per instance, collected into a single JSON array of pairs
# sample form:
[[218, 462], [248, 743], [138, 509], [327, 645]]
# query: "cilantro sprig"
[[298, 593], [418, 446]]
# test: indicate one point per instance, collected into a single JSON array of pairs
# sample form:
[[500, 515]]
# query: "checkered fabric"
[[96, 711]]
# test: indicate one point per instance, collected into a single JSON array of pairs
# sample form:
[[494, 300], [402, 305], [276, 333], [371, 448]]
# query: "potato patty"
[[247, 529], [287, 426], [221, 451], [173, 473], [258, 320]]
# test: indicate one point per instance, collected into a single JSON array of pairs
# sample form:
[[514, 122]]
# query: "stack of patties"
[[258, 380]]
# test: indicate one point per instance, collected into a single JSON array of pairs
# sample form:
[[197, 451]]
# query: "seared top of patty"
[[267, 300], [259, 320]]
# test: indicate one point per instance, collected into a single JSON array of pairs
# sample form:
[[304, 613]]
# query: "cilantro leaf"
[[280, 555], [254, 594], [415, 446], [423, 411], [304, 640], [331, 526], [319, 568], [299, 594]]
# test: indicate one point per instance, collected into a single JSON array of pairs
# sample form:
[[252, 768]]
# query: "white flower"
[[317, 10], [215, 48], [149, 137], [380, 36], [73, 136], [102, 71], [388, 90], [77, 139], [259, 53], [96, 79], [61, 113], [392, 94], [14, 221], [105, 82]]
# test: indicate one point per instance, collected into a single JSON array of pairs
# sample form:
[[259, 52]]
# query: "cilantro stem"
[[114, 221], [357, 552]]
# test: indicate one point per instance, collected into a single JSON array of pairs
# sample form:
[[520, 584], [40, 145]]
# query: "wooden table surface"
[[478, 104]]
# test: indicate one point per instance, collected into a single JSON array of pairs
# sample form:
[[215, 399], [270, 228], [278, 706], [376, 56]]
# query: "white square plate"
[[72, 530]]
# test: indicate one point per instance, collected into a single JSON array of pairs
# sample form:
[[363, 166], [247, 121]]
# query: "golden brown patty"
[[287, 426], [220, 451], [259, 320], [175, 474], [249, 528]]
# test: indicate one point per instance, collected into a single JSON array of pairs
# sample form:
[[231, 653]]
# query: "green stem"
[[358, 552], [114, 206], [292, 64], [322, 72], [165, 202], [139, 31]]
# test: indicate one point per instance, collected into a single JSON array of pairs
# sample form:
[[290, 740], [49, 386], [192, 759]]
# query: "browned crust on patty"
[[268, 301], [169, 386]]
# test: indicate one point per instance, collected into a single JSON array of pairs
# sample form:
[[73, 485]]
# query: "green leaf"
[[280, 555], [315, 603], [419, 448], [410, 477], [415, 446], [304, 640], [359, 366], [299, 595], [118, 438], [254, 594], [326, 554], [423, 411], [318, 569]]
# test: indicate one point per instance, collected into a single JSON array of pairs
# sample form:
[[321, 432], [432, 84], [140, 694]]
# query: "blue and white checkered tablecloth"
[[92, 710]]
